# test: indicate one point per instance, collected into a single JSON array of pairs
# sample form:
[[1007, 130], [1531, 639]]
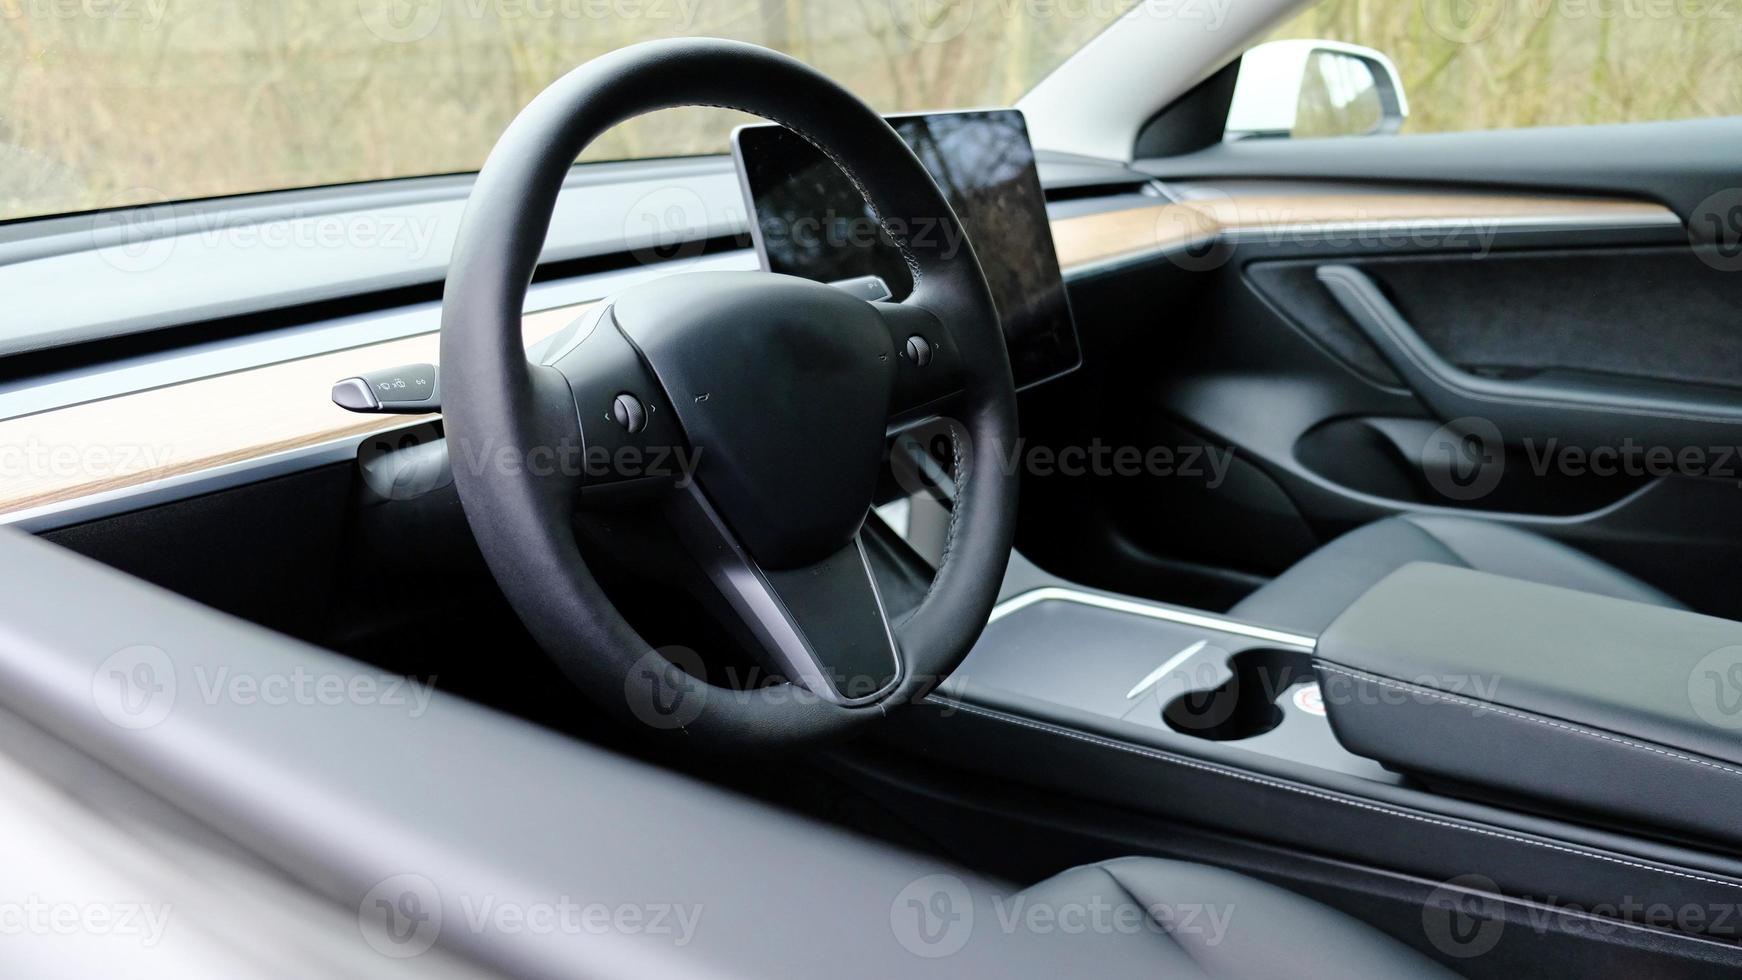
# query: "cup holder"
[[1243, 704]]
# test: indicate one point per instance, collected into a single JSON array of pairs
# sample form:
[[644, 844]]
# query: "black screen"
[[809, 221]]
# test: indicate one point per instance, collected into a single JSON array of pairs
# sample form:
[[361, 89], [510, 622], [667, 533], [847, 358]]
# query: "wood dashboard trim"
[[166, 432], [1175, 225], [139, 438]]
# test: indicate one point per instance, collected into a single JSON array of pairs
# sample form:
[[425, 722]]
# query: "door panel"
[[1582, 379], [1589, 409], [1643, 312], [1679, 164]]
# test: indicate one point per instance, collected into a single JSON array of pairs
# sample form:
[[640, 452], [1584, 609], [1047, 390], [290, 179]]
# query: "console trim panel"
[[1054, 593]]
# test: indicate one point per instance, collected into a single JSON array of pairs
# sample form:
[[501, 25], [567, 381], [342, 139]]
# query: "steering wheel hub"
[[782, 386]]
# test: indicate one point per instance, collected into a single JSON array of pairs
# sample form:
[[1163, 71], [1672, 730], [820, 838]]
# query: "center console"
[[1178, 675], [1191, 718]]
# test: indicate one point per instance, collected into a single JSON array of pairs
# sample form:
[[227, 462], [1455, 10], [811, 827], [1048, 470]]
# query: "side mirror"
[[1315, 88]]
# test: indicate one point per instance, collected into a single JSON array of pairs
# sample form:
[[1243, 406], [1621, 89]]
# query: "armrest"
[[1625, 711]]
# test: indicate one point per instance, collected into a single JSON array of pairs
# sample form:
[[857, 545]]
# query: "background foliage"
[[112, 102], [211, 97]]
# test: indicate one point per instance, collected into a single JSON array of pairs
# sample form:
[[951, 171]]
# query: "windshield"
[[107, 103]]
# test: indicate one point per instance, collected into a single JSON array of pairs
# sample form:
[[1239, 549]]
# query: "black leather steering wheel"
[[781, 390]]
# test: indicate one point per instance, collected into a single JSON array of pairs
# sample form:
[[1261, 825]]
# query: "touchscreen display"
[[809, 221]]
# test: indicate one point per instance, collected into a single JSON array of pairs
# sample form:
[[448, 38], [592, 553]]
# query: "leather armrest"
[[1622, 710]]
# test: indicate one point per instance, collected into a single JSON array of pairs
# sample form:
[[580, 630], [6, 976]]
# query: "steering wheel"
[[781, 391]]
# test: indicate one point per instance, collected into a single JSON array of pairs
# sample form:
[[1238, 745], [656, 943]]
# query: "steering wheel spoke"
[[822, 625], [928, 369], [632, 440]]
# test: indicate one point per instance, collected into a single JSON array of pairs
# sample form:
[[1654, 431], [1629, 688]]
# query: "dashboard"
[[116, 433]]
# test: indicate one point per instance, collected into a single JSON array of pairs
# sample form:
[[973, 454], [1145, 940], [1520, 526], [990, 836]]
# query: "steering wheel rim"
[[497, 402]]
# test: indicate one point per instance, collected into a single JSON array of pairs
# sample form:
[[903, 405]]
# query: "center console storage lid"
[[1628, 712]]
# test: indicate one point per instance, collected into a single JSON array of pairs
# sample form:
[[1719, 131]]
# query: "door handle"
[[1575, 407]]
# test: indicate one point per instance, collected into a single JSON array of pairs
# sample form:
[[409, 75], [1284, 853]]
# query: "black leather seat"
[[1311, 594], [1171, 919]]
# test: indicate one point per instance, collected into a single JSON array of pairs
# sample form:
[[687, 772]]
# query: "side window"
[[1355, 68]]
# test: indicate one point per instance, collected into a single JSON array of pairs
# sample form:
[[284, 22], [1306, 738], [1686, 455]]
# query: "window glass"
[[105, 103], [1498, 64]]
